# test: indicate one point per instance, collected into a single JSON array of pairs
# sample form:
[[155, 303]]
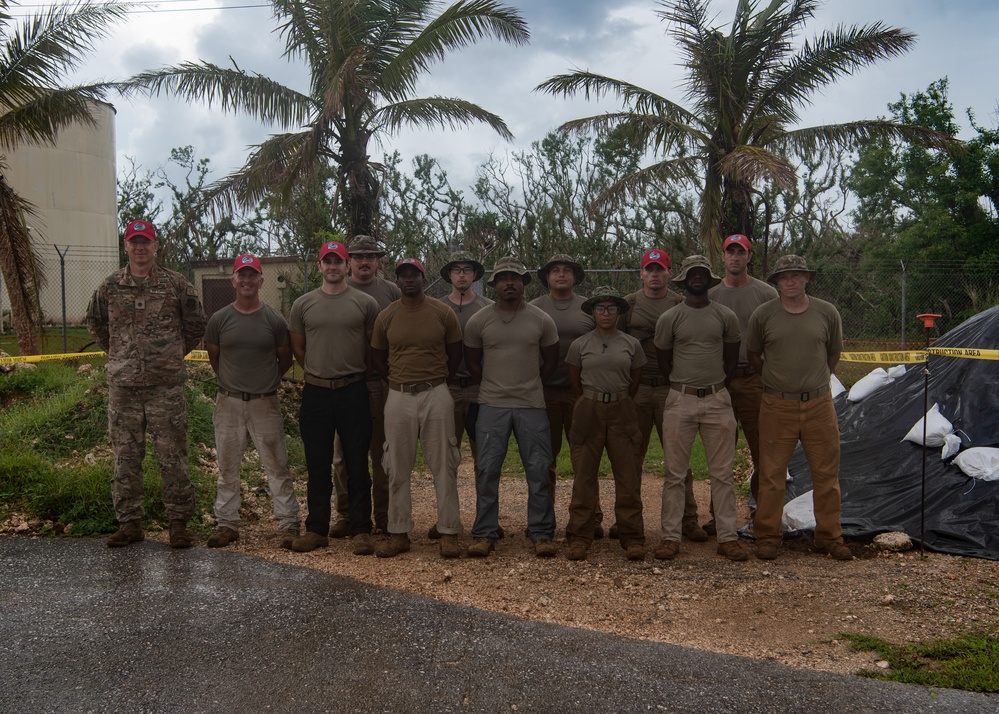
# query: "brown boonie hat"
[[462, 256], [508, 264], [787, 264], [365, 245], [577, 269], [605, 293], [695, 261]]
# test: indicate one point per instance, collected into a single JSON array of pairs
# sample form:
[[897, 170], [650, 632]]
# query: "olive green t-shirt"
[[697, 336], [640, 322], [248, 346], [795, 347], [511, 355], [415, 338], [383, 291], [606, 362], [743, 300], [571, 323], [463, 312], [335, 329]]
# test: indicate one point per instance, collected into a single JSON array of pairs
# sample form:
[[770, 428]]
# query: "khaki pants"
[[377, 393], [747, 394]]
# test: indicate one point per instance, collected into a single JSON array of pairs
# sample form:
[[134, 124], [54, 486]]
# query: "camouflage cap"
[[605, 293], [509, 264], [365, 245], [787, 264], [577, 269], [462, 256], [695, 261]]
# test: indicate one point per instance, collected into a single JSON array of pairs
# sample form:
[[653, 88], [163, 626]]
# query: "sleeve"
[[473, 332], [212, 329], [733, 333], [835, 332], [297, 324], [664, 331], [574, 356], [754, 335], [370, 313], [452, 328], [97, 318], [280, 327], [549, 333], [192, 317], [638, 358], [379, 333]]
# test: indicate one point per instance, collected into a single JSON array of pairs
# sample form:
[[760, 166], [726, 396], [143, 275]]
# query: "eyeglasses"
[[606, 309], [463, 271]]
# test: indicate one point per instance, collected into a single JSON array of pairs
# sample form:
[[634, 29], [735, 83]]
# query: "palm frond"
[[445, 112], [850, 135], [657, 177], [43, 113], [754, 164]]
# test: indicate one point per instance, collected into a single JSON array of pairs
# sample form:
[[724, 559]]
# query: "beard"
[[697, 292]]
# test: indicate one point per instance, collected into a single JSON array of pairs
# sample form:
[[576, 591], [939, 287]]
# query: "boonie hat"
[[695, 261], [412, 262], [509, 264], [657, 256], [365, 245], [246, 260], [787, 264], [334, 247], [577, 269], [737, 239], [605, 293], [462, 256], [140, 228]]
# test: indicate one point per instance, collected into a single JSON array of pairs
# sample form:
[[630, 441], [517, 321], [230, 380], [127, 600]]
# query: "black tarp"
[[880, 475]]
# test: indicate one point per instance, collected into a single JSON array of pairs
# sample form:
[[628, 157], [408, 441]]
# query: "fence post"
[[305, 274], [62, 279], [904, 275]]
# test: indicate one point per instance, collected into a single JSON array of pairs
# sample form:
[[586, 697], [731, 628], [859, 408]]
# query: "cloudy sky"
[[619, 38]]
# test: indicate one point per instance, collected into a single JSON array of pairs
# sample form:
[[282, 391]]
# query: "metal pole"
[[904, 313], [62, 277]]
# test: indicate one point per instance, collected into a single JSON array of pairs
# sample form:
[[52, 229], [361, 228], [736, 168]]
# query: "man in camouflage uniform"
[[147, 318]]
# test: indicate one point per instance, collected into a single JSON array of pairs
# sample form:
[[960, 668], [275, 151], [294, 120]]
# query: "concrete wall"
[[212, 280]]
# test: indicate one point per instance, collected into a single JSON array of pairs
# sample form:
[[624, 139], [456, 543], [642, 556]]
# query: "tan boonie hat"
[[695, 261], [605, 293], [577, 269], [787, 264], [462, 256], [509, 264], [365, 245]]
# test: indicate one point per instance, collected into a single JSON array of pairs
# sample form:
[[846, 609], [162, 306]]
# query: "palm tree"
[[364, 59], [746, 89], [35, 54]]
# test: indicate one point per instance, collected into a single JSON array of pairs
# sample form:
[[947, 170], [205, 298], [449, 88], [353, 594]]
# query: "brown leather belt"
[[797, 396], [744, 371], [416, 387], [333, 382], [604, 397], [698, 391], [245, 396], [654, 381]]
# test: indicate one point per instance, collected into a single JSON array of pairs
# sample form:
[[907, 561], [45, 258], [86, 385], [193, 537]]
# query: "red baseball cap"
[[246, 260], [140, 228], [657, 256], [411, 261], [737, 239], [338, 249]]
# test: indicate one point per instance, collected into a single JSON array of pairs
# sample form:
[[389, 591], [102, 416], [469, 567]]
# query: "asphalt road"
[[149, 629]]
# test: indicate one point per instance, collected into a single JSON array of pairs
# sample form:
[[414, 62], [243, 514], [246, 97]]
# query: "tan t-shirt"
[[571, 323], [511, 355], [415, 338], [248, 346], [383, 291], [335, 329], [463, 313], [640, 322], [743, 300], [697, 336], [795, 348], [606, 362]]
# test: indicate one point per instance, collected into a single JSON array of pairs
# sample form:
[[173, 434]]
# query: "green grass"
[[77, 338], [966, 662]]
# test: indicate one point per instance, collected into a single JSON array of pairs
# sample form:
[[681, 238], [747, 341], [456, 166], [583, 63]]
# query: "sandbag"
[[799, 514], [835, 386], [981, 462], [937, 427], [868, 385]]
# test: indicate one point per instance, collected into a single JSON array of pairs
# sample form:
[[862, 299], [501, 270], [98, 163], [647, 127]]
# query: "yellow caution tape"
[[965, 352], [194, 356], [903, 357]]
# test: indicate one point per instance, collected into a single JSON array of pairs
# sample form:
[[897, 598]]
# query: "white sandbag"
[[937, 427], [896, 372], [981, 462], [866, 386], [835, 386], [799, 514], [952, 444]]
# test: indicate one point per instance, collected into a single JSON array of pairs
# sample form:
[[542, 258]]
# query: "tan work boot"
[[340, 528], [309, 542], [393, 545], [733, 550], [449, 546], [667, 550], [362, 544], [288, 536], [635, 551], [180, 537], [127, 533], [222, 537], [577, 551], [480, 548]]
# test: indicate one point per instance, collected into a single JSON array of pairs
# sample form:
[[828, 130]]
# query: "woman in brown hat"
[[605, 366]]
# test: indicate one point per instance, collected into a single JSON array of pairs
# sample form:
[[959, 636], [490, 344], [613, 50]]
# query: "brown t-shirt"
[[383, 291], [606, 362], [511, 355], [571, 323], [640, 322], [335, 329], [697, 336], [248, 346], [415, 338], [463, 312], [743, 300], [795, 347]]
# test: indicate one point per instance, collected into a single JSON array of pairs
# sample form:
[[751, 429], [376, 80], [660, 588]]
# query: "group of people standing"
[[388, 368]]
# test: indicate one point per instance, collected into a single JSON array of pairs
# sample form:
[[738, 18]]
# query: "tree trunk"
[[20, 270]]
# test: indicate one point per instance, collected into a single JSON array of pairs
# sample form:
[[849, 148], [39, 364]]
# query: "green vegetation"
[[966, 662]]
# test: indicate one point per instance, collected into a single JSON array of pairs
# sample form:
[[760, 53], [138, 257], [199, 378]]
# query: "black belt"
[[245, 396], [654, 381], [333, 382], [797, 396], [416, 387], [604, 397], [698, 391]]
